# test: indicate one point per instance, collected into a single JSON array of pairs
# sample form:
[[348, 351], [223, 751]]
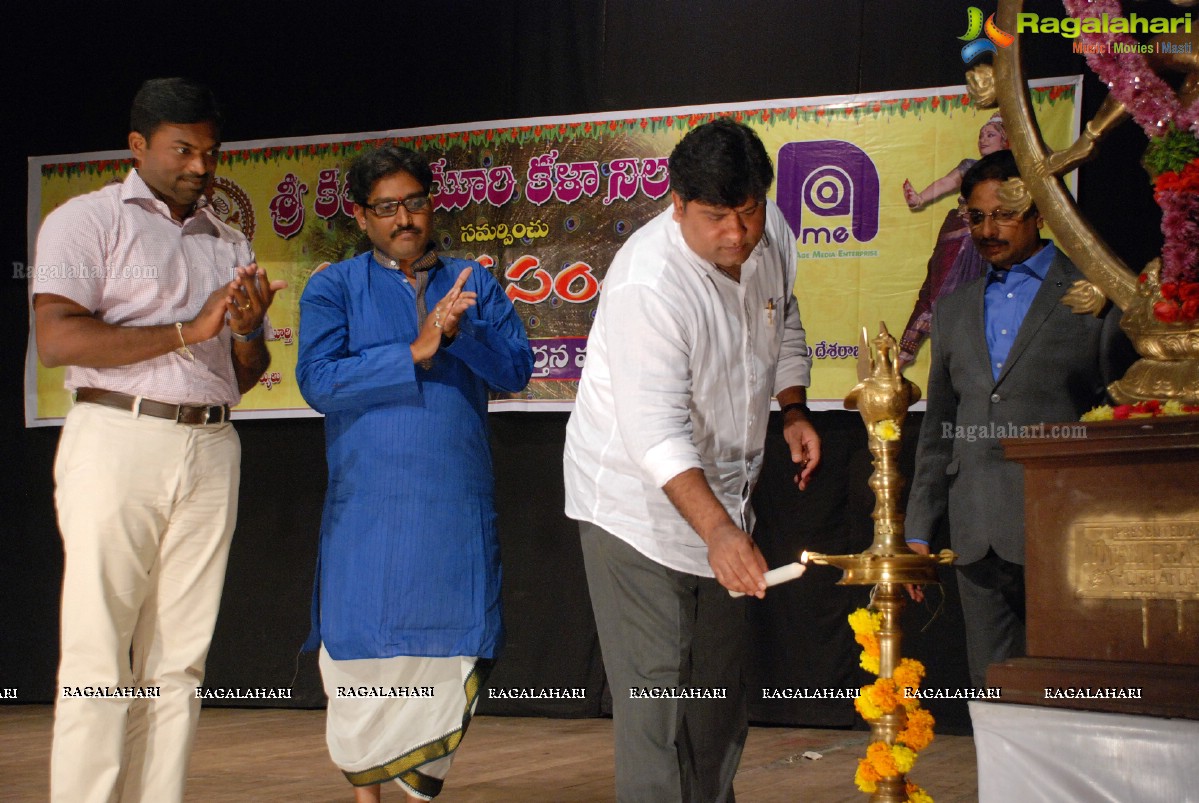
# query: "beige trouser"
[[146, 508]]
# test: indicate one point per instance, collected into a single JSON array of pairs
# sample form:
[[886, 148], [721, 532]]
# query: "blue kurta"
[[409, 558]]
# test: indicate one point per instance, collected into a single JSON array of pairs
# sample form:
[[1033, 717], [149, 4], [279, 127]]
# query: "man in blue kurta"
[[398, 348]]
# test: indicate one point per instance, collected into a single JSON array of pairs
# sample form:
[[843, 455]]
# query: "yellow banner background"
[[545, 204]]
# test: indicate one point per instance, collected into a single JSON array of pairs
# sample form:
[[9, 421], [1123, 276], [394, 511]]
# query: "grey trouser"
[[662, 629], [992, 593]]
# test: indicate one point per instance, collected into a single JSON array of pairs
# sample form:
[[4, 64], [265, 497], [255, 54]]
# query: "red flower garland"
[[1155, 107]]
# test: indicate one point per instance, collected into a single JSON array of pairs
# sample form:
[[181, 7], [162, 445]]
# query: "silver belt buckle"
[[206, 416]]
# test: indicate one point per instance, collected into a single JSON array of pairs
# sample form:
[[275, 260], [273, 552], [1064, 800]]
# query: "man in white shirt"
[[697, 328], [156, 308]]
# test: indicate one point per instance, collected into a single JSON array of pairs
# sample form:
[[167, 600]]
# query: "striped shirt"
[[118, 253]]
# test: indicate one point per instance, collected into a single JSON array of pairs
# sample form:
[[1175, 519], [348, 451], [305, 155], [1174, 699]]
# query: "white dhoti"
[[399, 718]]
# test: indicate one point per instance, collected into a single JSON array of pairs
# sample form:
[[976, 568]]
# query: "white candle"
[[780, 575]]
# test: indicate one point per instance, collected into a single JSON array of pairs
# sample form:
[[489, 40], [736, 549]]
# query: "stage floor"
[[264, 755]]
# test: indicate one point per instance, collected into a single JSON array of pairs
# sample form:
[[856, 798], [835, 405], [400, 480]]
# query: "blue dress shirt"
[[1006, 300]]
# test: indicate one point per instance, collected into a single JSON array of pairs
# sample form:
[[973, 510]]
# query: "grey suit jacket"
[[1058, 368]]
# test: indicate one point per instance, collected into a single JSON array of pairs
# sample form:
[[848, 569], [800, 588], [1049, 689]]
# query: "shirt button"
[[1003, 331], [1011, 295], [994, 398]]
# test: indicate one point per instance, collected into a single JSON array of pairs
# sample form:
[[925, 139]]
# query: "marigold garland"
[[882, 697], [918, 795]]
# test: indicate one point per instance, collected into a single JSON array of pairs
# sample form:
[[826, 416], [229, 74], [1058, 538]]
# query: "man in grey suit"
[[1007, 357]]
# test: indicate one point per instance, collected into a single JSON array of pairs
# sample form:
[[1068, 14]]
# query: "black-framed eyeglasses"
[[415, 205], [1001, 217]]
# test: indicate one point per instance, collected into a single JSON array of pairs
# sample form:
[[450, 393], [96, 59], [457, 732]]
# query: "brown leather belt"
[[179, 413]]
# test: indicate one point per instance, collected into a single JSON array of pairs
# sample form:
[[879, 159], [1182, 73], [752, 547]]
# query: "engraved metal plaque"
[[1127, 559]]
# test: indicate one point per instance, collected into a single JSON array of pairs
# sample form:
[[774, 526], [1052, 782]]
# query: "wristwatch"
[[248, 336], [801, 406]]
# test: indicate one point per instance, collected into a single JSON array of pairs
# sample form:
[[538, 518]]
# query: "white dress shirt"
[[682, 362]]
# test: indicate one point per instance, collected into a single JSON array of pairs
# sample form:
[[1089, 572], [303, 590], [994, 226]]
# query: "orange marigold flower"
[[918, 733], [883, 693], [865, 707], [868, 642], [909, 673], [881, 759], [866, 778]]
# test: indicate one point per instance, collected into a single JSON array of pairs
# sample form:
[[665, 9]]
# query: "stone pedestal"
[[1112, 568]]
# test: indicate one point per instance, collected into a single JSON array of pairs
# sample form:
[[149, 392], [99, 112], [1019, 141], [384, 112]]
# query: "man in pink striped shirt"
[[156, 308]]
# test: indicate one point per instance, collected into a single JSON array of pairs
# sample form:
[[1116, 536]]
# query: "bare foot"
[[367, 794]]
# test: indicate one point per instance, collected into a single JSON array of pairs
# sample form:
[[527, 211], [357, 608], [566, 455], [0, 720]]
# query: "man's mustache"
[[405, 230], [989, 242]]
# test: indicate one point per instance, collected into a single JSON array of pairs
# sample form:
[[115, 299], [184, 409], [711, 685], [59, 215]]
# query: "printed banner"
[[546, 203]]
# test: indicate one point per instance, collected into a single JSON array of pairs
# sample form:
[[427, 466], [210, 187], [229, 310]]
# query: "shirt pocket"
[[766, 315]]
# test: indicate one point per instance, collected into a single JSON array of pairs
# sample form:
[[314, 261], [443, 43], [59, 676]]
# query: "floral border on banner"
[[549, 132]]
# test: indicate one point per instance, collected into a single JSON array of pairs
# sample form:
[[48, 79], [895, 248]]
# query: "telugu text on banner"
[[546, 203]]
